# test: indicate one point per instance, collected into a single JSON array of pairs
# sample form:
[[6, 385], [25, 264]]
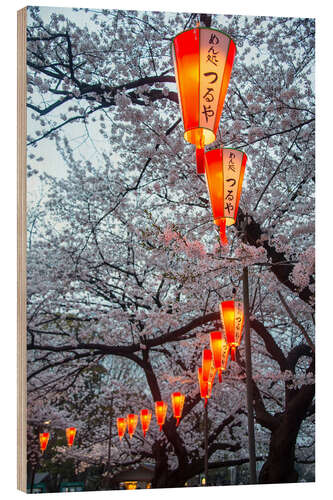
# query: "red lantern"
[[203, 59], [224, 176], [160, 411], [220, 349], [232, 318], [132, 421], [145, 417], [206, 386], [206, 364], [121, 425], [70, 435], [178, 400], [43, 440]]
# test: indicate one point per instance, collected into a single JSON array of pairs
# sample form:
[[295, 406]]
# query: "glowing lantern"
[[224, 176], [145, 417], [220, 349], [160, 411], [232, 318], [177, 405], [206, 386], [132, 421], [43, 440], [121, 425], [70, 435], [206, 364], [203, 59]]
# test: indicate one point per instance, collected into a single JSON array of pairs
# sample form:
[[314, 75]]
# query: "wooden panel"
[[21, 252]]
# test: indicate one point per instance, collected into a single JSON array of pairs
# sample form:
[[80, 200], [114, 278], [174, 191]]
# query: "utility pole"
[[249, 385]]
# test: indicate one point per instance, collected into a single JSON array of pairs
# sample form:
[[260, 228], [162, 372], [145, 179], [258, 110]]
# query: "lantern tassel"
[[223, 236], [200, 156], [160, 428], [206, 401], [233, 353], [220, 375], [177, 423]]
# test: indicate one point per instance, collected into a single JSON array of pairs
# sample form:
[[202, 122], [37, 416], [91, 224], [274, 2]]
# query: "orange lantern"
[[206, 386], [70, 435], [121, 426], [232, 318], [145, 417], [43, 440], [220, 349], [203, 59], [178, 400], [160, 411], [132, 422], [206, 364], [225, 169]]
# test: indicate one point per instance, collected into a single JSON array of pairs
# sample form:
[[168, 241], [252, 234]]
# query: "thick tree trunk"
[[279, 466]]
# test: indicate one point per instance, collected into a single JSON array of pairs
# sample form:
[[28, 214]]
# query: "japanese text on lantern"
[[213, 54], [231, 169]]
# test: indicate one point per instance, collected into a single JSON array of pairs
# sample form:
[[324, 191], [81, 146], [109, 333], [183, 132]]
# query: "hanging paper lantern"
[[70, 435], [43, 440], [177, 405], [232, 318], [121, 426], [203, 59], [224, 176], [206, 386], [145, 417], [132, 421], [220, 349], [207, 361], [160, 411]]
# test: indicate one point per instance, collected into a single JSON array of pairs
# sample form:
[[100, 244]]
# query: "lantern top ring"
[[203, 28]]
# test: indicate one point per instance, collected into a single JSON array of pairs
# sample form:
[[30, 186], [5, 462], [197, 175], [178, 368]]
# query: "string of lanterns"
[[45, 436], [130, 422]]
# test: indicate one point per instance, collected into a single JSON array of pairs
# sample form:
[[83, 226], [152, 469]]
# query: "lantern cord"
[[223, 236], [200, 157]]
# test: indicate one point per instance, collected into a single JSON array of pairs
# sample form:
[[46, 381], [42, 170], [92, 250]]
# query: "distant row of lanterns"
[[130, 422], [45, 436]]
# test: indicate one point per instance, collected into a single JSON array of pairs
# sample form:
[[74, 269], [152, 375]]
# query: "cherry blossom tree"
[[125, 268]]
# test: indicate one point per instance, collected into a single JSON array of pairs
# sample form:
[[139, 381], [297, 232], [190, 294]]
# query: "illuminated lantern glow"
[[121, 426], [160, 411], [70, 435], [232, 318], [145, 417], [43, 440], [178, 400], [206, 364], [203, 59], [132, 422], [220, 349], [206, 386], [225, 170]]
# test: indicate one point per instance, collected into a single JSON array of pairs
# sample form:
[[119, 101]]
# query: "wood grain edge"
[[21, 251]]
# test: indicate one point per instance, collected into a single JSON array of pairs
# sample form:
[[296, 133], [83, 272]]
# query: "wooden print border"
[[21, 252]]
